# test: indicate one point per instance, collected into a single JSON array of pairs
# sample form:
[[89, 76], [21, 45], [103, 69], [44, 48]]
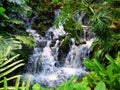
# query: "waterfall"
[[44, 63]]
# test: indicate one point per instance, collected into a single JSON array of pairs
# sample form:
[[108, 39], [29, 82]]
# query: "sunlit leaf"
[[36, 86], [100, 86]]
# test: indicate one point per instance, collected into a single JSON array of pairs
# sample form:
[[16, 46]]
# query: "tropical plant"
[[73, 84], [109, 74], [8, 64], [15, 43], [37, 86], [24, 86], [2, 12], [103, 18]]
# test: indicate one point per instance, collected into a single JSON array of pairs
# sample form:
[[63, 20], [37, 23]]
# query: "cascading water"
[[44, 63]]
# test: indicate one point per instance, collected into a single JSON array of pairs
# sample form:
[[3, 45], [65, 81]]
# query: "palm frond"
[[8, 45], [11, 66], [17, 86]]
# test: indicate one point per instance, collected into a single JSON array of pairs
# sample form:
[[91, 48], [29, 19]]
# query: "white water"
[[43, 63]]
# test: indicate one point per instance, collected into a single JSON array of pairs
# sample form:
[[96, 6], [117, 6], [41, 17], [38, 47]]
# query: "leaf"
[[16, 21], [100, 86], [73, 79], [23, 85], [28, 82], [2, 10], [10, 60], [89, 64], [118, 59], [83, 85], [10, 78], [110, 1], [11, 65], [36, 86], [100, 67], [112, 61], [17, 83], [55, 1], [11, 70], [5, 84], [88, 88], [29, 41]]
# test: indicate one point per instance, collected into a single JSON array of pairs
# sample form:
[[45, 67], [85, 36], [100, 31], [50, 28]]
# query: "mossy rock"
[[65, 43], [64, 49]]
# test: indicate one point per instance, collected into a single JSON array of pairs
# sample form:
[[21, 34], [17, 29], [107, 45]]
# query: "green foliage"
[[55, 1], [17, 85], [100, 86], [66, 17], [16, 21], [8, 45], [12, 43], [109, 74], [7, 65], [101, 48], [12, 33], [19, 6], [65, 43], [2, 12], [71, 84], [102, 14], [37, 86], [29, 41], [100, 25]]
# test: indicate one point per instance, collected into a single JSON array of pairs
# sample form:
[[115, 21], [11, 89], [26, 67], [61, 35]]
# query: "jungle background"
[[102, 16]]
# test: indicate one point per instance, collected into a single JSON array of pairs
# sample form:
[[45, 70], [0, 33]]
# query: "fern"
[[29, 41], [17, 86], [16, 21], [8, 45], [7, 66]]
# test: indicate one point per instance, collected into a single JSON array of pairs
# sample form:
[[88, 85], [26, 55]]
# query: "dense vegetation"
[[103, 17]]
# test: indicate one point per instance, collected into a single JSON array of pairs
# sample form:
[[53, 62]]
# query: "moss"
[[65, 43]]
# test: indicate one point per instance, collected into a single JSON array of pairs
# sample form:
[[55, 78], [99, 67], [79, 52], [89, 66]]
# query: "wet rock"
[[41, 44], [64, 49]]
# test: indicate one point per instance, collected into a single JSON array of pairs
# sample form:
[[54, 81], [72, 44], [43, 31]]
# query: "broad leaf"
[[100, 86], [36, 86]]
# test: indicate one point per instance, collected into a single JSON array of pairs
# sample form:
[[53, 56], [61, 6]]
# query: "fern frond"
[[11, 70], [25, 86], [29, 41], [16, 21], [7, 45]]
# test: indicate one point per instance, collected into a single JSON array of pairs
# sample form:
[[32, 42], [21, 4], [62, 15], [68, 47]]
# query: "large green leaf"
[[36, 86], [2, 12], [100, 86]]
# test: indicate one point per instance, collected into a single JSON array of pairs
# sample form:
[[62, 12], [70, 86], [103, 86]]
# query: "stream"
[[47, 65]]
